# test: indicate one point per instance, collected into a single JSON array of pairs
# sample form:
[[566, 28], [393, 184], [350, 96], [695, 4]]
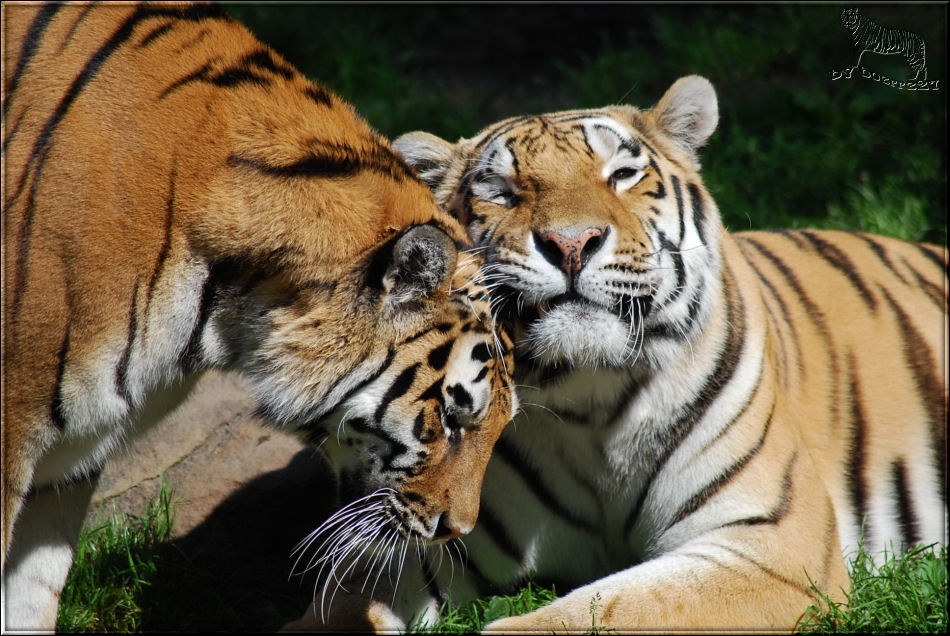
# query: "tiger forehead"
[[556, 139]]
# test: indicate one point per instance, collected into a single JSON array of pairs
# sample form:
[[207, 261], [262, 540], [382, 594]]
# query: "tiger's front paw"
[[540, 621], [351, 614]]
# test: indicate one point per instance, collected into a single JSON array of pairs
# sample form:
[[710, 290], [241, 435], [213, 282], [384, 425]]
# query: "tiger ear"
[[688, 113], [423, 261], [429, 155]]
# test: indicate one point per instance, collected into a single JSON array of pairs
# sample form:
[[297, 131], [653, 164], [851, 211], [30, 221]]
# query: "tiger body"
[[708, 420], [177, 198], [869, 36]]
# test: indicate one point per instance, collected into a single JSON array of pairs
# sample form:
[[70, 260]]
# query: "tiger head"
[[849, 17], [599, 237]]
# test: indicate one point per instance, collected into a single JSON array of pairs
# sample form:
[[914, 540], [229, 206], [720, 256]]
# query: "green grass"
[[127, 572], [904, 595], [473, 616], [115, 562]]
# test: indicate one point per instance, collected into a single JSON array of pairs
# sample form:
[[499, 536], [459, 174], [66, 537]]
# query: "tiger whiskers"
[[361, 534]]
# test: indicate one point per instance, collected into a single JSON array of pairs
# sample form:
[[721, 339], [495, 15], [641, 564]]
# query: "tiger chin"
[[179, 198], [709, 420]]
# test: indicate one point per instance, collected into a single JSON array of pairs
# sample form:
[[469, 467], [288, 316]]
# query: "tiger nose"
[[447, 530], [570, 253]]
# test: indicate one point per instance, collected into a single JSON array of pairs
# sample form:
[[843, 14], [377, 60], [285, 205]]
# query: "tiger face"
[[410, 441], [849, 17], [583, 220]]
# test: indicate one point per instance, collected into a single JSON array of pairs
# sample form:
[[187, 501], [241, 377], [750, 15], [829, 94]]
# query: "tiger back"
[[710, 421], [177, 197]]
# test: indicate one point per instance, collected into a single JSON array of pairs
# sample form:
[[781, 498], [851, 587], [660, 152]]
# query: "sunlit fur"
[[177, 197], [708, 420]]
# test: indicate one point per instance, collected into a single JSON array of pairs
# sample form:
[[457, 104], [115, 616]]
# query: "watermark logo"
[[870, 37]]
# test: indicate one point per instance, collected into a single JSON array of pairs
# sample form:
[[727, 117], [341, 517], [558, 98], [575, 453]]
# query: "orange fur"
[[178, 197]]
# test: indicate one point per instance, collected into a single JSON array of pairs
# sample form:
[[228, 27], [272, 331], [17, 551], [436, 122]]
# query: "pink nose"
[[574, 251]]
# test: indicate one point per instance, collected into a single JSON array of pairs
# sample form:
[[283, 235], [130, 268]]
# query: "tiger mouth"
[[626, 307]]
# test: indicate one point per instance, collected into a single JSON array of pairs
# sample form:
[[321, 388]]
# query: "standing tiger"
[[708, 420], [176, 198], [868, 35]]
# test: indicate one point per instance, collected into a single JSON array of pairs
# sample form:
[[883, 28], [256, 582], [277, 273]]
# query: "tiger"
[[710, 422], [178, 198], [871, 36]]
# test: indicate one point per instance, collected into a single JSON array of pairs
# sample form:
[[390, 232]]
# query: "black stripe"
[[11, 132], [345, 163], [202, 72], [397, 389], [395, 447], [840, 260], [920, 359], [720, 377], [910, 527], [936, 293], [164, 249], [699, 210], [679, 209], [264, 59], [498, 532], [198, 37], [881, 253], [30, 44], [318, 95], [930, 253], [814, 313], [57, 414], [769, 572], [191, 355], [534, 481], [856, 477], [794, 236], [709, 490], [679, 268], [481, 353], [786, 318], [440, 355], [122, 368], [79, 20], [780, 510], [359, 387], [155, 33], [23, 242]]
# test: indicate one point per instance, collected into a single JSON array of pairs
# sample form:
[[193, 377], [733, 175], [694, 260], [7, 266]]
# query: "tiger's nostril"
[[549, 249], [445, 531]]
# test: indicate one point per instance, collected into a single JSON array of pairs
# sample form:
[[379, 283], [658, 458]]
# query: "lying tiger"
[[709, 420], [178, 198]]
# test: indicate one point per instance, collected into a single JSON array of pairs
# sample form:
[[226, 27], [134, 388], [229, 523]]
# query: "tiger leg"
[[749, 573], [859, 53], [711, 583], [42, 553]]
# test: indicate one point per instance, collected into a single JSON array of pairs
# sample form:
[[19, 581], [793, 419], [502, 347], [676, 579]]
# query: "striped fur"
[[708, 420], [177, 198], [869, 36]]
